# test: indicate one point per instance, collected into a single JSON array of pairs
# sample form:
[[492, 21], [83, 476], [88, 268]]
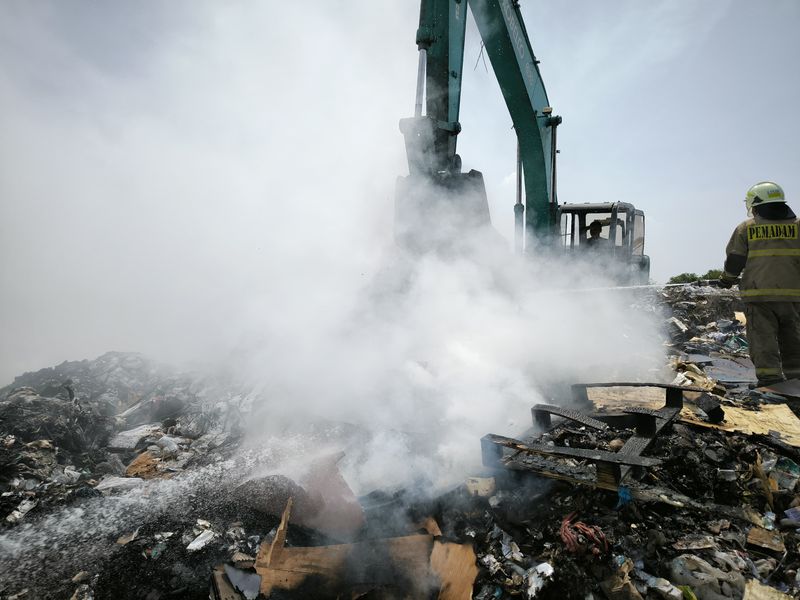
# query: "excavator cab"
[[620, 239]]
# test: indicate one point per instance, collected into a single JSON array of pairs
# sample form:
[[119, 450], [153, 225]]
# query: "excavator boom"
[[428, 209], [509, 49]]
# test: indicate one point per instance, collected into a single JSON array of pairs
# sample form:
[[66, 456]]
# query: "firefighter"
[[766, 251]]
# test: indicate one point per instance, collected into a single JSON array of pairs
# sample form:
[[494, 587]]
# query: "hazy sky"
[[163, 162]]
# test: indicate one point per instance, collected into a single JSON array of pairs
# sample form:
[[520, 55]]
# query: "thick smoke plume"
[[214, 185], [447, 350]]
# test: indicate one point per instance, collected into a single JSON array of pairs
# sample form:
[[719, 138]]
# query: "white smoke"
[[200, 182], [447, 350]]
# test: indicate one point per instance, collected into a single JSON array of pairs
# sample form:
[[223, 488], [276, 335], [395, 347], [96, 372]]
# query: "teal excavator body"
[[439, 208], [436, 203]]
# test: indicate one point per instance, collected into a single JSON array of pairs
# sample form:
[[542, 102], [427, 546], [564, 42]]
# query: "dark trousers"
[[773, 333]]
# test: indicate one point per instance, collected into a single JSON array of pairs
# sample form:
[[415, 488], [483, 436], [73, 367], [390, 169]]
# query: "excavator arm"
[[440, 39], [517, 70], [436, 203]]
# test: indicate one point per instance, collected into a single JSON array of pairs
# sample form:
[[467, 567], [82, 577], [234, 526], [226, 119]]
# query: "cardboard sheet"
[[368, 564], [777, 418], [621, 397], [755, 590]]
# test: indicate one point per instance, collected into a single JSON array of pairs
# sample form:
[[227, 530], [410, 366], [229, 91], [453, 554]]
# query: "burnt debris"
[[120, 478]]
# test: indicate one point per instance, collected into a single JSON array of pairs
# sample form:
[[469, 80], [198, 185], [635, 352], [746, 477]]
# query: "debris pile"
[[75, 438], [708, 339], [66, 431], [670, 490], [710, 515]]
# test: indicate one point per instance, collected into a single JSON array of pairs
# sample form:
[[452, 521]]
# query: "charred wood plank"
[[712, 407], [645, 421], [653, 422], [542, 412], [567, 452], [550, 468], [491, 453]]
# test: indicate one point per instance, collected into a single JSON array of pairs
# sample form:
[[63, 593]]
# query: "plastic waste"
[[511, 549], [201, 541], [537, 577], [786, 474], [23, 509]]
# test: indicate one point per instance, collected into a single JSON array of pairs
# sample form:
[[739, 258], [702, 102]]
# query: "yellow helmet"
[[765, 192]]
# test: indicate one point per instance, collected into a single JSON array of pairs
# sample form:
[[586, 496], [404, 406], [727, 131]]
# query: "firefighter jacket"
[[767, 253]]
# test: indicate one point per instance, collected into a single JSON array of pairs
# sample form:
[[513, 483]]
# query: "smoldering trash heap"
[[123, 478]]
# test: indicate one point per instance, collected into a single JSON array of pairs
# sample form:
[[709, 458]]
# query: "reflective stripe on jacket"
[[772, 249]]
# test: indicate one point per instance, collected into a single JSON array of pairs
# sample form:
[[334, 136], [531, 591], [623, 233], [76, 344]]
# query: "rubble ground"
[[120, 478]]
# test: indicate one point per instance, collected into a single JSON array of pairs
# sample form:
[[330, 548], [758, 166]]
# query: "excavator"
[[440, 208]]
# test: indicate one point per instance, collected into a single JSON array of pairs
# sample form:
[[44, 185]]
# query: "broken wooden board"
[[415, 560], [777, 418]]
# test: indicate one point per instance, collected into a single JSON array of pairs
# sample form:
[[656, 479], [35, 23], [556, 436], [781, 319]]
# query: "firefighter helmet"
[[765, 192]]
